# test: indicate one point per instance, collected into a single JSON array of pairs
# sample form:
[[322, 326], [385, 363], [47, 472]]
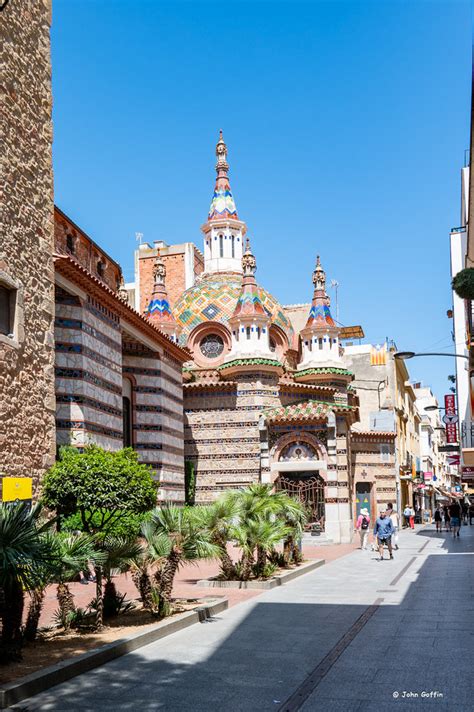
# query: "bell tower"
[[223, 232]]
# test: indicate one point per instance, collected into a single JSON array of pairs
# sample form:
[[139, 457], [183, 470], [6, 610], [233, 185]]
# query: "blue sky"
[[346, 124]]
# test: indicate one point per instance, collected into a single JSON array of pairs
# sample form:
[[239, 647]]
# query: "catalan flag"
[[378, 355]]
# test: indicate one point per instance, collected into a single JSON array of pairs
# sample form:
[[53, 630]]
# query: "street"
[[356, 634]]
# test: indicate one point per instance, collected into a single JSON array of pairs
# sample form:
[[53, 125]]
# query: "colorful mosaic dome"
[[214, 298]]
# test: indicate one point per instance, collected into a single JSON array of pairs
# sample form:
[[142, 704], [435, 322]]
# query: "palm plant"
[[218, 519], [258, 535], [23, 554], [71, 554], [116, 553], [182, 538], [294, 514]]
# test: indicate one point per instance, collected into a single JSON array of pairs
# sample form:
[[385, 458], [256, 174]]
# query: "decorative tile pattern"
[[305, 410], [222, 204], [217, 295]]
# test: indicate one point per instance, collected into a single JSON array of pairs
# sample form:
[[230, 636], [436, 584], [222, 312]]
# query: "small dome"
[[214, 297]]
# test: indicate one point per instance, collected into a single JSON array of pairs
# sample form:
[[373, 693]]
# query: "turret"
[[320, 336], [159, 310], [223, 232]]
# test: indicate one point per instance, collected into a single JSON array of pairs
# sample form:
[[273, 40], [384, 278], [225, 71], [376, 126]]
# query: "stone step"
[[321, 540]]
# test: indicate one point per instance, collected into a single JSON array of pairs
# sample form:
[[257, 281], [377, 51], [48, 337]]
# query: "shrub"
[[463, 283]]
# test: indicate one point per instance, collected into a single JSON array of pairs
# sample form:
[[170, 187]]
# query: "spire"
[[222, 204], [249, 302], [159, 310], [320, 314]]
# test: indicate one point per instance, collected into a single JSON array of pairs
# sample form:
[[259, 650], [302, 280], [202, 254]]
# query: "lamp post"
[[406, 355]]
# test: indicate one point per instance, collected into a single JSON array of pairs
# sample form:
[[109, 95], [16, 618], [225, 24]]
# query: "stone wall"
[[27, 437], [69, 239], [222, 434]]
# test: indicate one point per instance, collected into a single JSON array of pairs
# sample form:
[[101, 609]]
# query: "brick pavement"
[[184, 583]]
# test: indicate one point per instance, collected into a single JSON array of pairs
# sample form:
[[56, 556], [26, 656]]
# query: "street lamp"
[[405, 355]]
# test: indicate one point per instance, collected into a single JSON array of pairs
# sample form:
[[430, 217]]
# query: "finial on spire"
[[221, 153], [159, 270], [319, 276], [122, 292], [249, 263]]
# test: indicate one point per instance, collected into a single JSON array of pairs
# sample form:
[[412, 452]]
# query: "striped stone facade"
[[88, 369], [118, 377]]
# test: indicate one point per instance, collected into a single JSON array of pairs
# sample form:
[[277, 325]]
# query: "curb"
[[42, 680], [263, 585]]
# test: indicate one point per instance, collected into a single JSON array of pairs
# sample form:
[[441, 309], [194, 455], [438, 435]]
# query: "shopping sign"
[[454, 459], [427, 476], [467, 473], [450, 418]]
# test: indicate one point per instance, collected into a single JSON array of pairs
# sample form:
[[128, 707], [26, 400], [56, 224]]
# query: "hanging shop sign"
[[450, 418]]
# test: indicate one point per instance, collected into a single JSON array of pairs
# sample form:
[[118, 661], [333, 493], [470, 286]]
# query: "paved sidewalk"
[[309, 637]]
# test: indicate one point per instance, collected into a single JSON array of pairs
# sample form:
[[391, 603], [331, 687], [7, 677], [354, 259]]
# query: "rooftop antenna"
[[139, 237], [335, 285]]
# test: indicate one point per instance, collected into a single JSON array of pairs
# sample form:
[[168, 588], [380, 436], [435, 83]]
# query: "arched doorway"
[[302, 481]]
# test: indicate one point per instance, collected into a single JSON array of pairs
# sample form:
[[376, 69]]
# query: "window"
[[248, 332], [221, 246], [384, 453], [320, 343], [127, 421], [100, 268], [211, 346], [70, 243], [233, 246], [6, 299]]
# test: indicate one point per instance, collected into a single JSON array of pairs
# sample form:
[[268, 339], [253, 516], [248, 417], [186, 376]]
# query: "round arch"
[[207, 329]]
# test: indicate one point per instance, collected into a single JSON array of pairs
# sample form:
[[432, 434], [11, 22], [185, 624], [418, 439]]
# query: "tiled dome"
[[214, 297]]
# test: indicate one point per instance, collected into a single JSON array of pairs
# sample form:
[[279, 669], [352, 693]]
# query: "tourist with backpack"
[[362, 526]]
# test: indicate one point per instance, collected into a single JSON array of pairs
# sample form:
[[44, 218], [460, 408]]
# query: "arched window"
[[127, 413], [211, 346], [248, 332], [233, 245], [221, 245], [272, 345]]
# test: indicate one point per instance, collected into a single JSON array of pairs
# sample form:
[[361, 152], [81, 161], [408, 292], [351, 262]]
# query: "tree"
[[463, 283], [102, 486], [182, 538], [24, 554]]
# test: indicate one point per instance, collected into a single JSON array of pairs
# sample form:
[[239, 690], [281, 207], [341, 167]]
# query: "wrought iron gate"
[[309, 489]]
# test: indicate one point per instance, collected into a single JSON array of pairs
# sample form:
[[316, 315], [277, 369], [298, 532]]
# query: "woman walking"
[[362, 526], [438, 517], [447, 518]]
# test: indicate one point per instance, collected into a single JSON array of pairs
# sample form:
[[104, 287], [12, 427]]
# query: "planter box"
[[42, 680], [272, 582]]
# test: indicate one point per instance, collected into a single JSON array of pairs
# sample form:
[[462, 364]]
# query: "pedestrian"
[[383, 532], [447, 518], [471, 512], [455, 516], [412, 518], [438, 517], [395, 521], [362, 526], [406, 514], [465, 510]]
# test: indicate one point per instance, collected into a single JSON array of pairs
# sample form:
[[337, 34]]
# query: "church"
[[267, 394]]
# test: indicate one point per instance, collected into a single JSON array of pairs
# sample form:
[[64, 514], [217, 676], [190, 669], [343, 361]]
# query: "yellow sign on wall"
[[16, 488]]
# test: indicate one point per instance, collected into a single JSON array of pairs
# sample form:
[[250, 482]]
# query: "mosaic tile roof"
[[323, 369], [214, 298], [305, 410], [222, 203], [249, 362], [159, 310]]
